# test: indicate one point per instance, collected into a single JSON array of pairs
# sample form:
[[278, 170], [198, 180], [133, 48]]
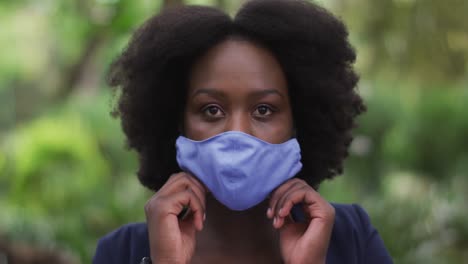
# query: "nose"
[[239, 121]]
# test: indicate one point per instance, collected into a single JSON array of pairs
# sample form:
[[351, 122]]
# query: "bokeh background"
[[66, 178]]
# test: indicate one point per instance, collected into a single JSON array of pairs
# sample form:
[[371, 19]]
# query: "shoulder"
[[127, 244], [351, 216], [354, 239], [351, 223]]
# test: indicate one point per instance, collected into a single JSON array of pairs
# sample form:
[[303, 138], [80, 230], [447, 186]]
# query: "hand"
[[301, 242], [171, 237]]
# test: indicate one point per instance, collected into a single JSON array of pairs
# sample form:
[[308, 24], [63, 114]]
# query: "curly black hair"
[[310, 44]]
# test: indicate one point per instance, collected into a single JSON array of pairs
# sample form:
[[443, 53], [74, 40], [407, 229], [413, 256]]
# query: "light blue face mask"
[[239, 169]]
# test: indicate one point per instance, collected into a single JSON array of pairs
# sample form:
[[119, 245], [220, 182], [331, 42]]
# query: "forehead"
[[237, 63]]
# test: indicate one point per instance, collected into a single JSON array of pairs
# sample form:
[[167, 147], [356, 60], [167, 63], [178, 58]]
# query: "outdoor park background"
[[66, 178]]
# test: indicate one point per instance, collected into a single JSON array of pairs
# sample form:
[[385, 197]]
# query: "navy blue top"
[[354, 240]]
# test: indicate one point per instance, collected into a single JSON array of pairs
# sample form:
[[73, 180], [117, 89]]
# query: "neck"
[[238, 231], [219, 216], [236, 237]]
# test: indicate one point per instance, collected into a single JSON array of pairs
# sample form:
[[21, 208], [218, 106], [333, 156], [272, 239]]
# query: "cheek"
[[194, 128], [190, 127], [279, 131]]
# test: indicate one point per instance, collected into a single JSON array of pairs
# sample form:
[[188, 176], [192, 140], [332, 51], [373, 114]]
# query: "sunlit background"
[[66, 178]]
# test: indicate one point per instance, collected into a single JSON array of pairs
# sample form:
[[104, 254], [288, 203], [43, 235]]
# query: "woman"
[[236, 122]]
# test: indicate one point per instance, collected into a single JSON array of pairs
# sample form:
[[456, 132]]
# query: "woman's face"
[[238, 86]]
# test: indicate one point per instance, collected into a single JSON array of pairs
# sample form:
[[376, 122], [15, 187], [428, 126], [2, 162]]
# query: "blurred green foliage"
[[66, 178], [409, 168], [69, 178]]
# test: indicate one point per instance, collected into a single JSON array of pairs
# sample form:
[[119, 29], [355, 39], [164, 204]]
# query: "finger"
[[199, 189], [182, 181], [289, 220], [291, 197], [159, 207], [316, 206], [188, 225], [284, 204], [197, 210], [320, 228], [292, 229], [280, 193], [177, 183], [184, 213], [317, 209], [310, 200], [172, 182], [190, 200], [277, 194], [192, 178]]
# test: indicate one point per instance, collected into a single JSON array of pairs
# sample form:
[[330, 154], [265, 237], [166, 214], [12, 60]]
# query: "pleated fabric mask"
[[240, 170]]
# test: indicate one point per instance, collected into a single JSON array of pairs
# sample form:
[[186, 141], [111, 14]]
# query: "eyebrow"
[[212, 92], [217, 93], [267, 92]]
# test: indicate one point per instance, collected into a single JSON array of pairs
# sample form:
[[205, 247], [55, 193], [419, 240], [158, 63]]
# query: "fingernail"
[[280, 212], [269, 212], [275, 220], [204, 216]]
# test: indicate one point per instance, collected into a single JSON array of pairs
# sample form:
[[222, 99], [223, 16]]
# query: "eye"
[[263, 110], [212, 111]]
